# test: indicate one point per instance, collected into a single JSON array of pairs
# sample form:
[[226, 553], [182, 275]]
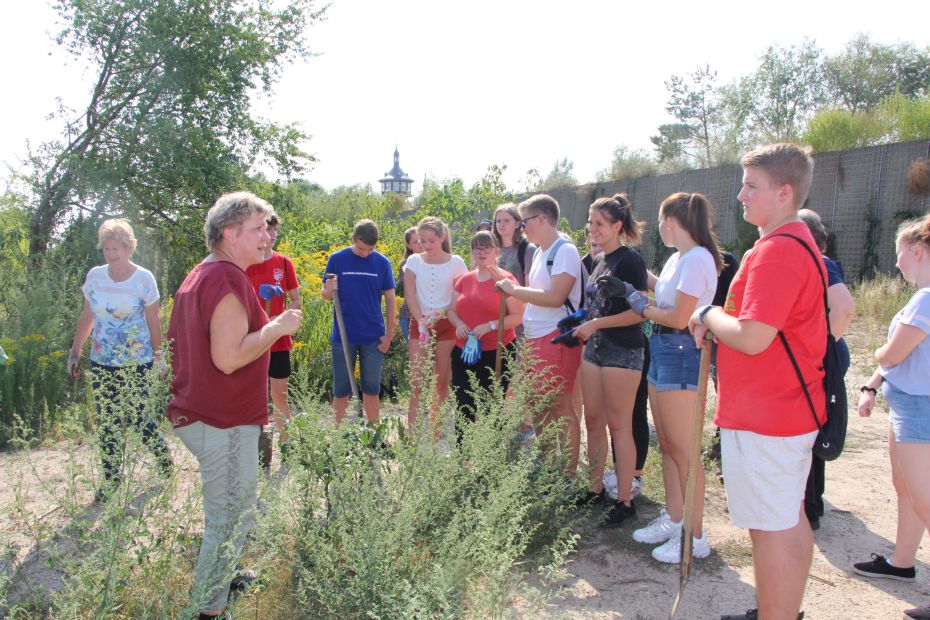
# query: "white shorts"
[[765, 478]]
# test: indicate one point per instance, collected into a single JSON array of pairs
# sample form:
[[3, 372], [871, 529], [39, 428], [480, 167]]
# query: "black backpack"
[[832, 434]]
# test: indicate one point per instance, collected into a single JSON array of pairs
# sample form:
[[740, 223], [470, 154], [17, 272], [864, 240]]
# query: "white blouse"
[[435, 282]]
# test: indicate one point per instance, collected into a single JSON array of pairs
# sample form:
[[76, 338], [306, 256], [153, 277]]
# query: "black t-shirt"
[[730, 265], [626, 264]]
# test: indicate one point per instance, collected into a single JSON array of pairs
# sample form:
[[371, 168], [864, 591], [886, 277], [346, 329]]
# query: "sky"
[[457, 87]]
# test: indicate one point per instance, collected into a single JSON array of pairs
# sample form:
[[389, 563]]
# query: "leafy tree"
[[896, 118], [838, 130], [866, 72], [168, 124], [561, 175], [694, 102], [908, 117], [628, 164], [671, 141], [459, 206], [786, 89]]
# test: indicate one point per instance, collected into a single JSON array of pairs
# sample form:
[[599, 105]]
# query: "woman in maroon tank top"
[[220, 337]]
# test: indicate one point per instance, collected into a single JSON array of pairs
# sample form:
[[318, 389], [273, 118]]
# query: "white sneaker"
[[670, 552], [637, 487], [610, 483], [658, 530]]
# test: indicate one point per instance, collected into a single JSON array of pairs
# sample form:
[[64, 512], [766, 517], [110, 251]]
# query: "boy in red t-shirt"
[[278, 270], [767, 427]]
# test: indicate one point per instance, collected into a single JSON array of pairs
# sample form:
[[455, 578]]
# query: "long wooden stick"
[[694, 462], [350, 367]]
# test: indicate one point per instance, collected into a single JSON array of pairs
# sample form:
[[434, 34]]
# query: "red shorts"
[[442, 329], [556, 363]]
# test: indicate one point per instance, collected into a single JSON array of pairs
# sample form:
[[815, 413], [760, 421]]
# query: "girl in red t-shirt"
[[278, 270], [475, 311]]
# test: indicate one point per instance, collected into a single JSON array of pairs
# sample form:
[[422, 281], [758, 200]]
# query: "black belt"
[[664, 329]]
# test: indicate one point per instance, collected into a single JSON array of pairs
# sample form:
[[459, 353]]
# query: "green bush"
[[416, 529]]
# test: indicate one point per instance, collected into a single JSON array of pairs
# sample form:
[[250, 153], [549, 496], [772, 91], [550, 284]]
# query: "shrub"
[[416, 529]]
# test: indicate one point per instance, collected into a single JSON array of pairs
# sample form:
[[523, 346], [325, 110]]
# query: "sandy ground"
[[610, 576]]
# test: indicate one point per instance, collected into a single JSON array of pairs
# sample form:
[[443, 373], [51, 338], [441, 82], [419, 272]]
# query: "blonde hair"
[[438, 228], [118, 230], [232, 210], [785, 164], [916, 231]]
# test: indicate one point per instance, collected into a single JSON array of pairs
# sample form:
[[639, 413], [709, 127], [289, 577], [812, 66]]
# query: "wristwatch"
[[492, 325], [865, 388]]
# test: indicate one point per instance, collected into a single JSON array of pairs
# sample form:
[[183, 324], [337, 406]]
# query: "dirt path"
[[610, 576]]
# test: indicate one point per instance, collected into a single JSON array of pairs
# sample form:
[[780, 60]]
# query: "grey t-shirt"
[[509, 261]]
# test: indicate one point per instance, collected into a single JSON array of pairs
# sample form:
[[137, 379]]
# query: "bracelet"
[[865, 388], [704, 312]]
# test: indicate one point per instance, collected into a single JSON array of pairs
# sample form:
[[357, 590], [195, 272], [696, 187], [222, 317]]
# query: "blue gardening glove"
[[567, 338], [269, 291], [572, 321], [615, 287], [471, 352], [567, 326]]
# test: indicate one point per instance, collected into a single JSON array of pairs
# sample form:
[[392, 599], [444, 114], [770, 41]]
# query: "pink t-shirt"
[[480, 302], [777, 284], [201, 392]]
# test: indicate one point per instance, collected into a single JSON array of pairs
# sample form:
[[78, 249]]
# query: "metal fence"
[[860, 194]]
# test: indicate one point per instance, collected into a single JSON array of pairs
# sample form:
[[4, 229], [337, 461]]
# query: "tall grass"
[[38, 312], [365, 522], [877, 301]]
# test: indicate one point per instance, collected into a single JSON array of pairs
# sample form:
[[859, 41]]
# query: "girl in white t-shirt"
[[688, 280], [428, 280]]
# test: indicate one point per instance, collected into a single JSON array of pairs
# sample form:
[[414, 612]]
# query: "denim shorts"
[[605, 354], [675, 362], [909, 415], [369, 361]]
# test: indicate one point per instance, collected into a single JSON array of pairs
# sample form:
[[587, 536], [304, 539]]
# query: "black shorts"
[[280, 365]]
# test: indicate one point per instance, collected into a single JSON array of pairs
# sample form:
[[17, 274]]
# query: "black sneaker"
[[752, 614], [619, 513], [879, 567], [918, 613]]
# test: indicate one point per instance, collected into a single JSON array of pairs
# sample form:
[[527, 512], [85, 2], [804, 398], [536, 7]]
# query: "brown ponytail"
[[692, 212], [619, 208]]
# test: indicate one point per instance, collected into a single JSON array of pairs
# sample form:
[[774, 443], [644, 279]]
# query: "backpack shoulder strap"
[[784, 340], [550, 258], [521, 255]]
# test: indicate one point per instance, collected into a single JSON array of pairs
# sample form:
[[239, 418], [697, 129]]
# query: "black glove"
[[615, 287]]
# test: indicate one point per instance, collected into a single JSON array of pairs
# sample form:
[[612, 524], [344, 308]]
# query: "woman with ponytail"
[[903, 376], [428, 281], [688, 280], [613, 355]]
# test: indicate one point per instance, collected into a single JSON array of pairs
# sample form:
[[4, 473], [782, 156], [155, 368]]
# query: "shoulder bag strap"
[[784, 340]]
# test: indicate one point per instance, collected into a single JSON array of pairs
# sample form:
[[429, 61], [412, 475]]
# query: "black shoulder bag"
[[832, 434]]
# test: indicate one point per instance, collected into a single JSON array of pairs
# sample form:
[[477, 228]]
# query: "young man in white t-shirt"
[[545, 297]]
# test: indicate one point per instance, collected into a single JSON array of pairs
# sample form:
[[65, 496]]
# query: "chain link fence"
[[860, 194]]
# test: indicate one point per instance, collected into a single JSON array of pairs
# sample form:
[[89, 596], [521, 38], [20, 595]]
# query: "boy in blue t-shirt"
[[362, 276]]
